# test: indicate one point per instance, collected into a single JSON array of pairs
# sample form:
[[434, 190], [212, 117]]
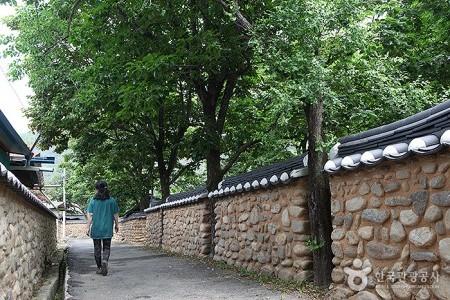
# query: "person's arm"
[[116, 222], [88, 225]]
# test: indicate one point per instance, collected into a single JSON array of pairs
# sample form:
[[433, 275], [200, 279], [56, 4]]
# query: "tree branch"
[[241, 150], [72, 13], [225, 103], [179, 173], [241, 21]]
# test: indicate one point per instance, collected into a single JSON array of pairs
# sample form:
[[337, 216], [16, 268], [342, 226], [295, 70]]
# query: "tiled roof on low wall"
[[182, 198], [8, 178], [271, 175], [423, 133], [133, 216]]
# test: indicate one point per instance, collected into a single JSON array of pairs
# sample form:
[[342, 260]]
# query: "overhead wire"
[[12, 87]]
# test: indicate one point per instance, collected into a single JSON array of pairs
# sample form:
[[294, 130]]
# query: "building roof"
[[10, 141], [267, 176], [9, 179], [422, 133], [18, 158]]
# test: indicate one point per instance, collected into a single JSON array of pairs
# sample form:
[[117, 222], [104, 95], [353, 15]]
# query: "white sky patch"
[[13, 96]]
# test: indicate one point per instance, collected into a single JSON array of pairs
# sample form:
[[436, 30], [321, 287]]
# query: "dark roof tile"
[[273, 174], [422, 133]]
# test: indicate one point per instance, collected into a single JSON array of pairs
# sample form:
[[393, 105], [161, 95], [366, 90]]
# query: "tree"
[[417, 31], [326, 57], [91, 87], [177, 55]]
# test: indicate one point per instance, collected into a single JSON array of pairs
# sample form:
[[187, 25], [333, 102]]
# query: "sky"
[[13, 94]]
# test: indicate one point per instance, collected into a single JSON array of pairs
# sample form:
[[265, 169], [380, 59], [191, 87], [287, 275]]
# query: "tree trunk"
[[319, 200], [213, 170], [165, 187], [144, 202]]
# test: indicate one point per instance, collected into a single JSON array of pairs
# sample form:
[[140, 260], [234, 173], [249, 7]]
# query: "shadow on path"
[[136, 273]]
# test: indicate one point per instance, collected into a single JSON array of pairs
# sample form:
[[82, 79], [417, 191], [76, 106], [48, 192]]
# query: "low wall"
[[132, 231], [154, 228], [187, 229], [74, 229], [27, 241], [391, 236], [266, 231]]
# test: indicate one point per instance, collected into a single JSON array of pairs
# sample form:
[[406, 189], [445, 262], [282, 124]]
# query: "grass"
[[272, 282]]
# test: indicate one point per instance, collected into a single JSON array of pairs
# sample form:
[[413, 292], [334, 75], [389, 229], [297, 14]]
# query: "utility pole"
[[64, 203]]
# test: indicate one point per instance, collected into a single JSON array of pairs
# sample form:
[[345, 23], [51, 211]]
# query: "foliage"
[[112, 74], [417, 31], [332, 49], [327, 58], [176, 94], [314, 244]]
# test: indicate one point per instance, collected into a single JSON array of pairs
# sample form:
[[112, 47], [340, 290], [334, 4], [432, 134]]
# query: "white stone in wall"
[[441, 199], [422, 237], [441, 288], [338, 275], [300, 226], [352, 238], [297, 211], [366, 232], [447, 220], [275, 208], [364, 189], [402, 290], [433, 214], [338, 234], [383, 291], [382, 251], [285, 220], [364, 295], [444, 249], [355, 204], [337, 250], [375, 215], [397, 232], [335, 207], [409, 218], [254, 216], [301, 250], [423, 294]]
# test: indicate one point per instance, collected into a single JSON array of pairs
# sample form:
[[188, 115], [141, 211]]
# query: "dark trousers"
[[98, 250]]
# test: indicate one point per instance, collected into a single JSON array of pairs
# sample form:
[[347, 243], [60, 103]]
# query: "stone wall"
[[154, 228], [391, 236], [27, 241], [266, 231], [187, 229], [132, 231], [74, 229]]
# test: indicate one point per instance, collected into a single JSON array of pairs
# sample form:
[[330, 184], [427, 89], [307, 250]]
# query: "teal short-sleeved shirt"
[[102, 217]]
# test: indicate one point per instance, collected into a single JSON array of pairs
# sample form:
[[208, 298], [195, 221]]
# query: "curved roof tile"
[[274, 174], [280, 172], [182, 198], [423, 133]]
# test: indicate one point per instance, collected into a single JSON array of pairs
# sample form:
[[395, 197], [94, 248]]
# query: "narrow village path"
[[137, 273]]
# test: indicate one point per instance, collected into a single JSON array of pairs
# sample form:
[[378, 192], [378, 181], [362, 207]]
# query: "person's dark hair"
[[102, 190]]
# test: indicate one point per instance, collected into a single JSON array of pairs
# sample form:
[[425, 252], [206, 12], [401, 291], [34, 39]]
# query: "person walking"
[[102, 212]]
